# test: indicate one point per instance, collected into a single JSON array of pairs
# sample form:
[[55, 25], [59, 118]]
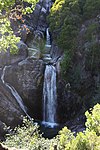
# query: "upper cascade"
[[48, 42], [47, 57]]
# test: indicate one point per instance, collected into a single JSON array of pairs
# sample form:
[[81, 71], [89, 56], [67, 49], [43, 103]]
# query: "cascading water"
[[49, 91], [14, 93], [49, 96], [48, 43]]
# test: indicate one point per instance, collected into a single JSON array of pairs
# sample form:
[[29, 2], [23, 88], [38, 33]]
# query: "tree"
[[91, 8], [7, 38], [64, 23]]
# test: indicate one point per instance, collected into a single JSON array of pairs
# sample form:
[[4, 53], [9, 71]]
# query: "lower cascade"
[[49, 96]]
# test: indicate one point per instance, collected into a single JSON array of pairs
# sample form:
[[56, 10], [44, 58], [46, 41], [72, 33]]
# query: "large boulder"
[[27, 78], [7, 58], [22, 53], [10, 112]]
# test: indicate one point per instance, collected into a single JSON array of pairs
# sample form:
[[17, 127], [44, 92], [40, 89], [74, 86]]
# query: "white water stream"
[[49, 96], [14, 93], [49, 91], [48, 43]]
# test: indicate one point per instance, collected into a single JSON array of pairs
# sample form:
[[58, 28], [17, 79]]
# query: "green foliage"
[[81, 5], [85, 141], [93, 120], [6, 4], [64, 22], [31, 8], [23, 136], [92, 31], [66, 62], [91, 8], [65, 19], [88, 140], [65, 137], [27, 136], [7, 39], [92, 49], [93, 57]]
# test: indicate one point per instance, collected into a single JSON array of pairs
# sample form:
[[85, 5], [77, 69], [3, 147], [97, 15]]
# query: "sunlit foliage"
[[7, 39], [27, 137]]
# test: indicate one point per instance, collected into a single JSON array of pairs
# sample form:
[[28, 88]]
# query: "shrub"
[[91, 8], [93, 120], [27, 136]]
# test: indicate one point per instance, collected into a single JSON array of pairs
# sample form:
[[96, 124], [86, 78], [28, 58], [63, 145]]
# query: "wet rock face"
[[10, 112], [27, 78]]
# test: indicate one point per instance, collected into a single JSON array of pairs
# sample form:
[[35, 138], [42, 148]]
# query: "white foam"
[[49, 124]]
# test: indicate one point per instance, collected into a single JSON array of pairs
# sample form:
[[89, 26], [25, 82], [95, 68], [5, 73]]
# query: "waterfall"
[[48, 43], [49, 96], [14, 93], [49, 89]]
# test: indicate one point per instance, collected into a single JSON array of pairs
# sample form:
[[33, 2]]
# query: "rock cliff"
[[26, 71]]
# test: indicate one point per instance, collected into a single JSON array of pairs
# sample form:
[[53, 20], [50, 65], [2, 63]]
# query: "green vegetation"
[[7, 39], [93, 48], [93, 57], [27, 137], [91, 8], [66, 19]]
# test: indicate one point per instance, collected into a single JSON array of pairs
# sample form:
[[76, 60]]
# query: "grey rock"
[[6, 58], [27, 79], [10, 112]]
